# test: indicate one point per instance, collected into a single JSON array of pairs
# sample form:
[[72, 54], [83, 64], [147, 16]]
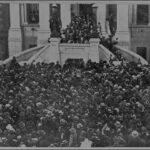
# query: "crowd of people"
[[80, 30], [48, 105]]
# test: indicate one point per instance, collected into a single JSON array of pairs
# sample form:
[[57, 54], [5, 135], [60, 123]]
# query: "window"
[[33, 13], [142, 14], [142, 51]]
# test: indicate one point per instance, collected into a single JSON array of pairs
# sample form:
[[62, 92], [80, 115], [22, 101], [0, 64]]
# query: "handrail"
[[105, 53], [24, 55], [131, 56], [74, 44], [37, 55]]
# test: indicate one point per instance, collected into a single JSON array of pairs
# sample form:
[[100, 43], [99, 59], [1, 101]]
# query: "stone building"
[[25, 24]]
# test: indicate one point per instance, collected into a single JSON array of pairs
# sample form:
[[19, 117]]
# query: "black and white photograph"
[[74, 74]]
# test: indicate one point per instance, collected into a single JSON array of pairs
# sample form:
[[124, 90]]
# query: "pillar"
[[123, 32], [44, 30], [77, 9], [53, 54], [149, 15], [131, 15], [101, 15], [135, 14], [94, 50], [65, 14], [23, 14], [14, 37]]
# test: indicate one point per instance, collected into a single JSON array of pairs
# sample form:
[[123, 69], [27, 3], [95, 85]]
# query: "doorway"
[[84, 10], [88, 11]]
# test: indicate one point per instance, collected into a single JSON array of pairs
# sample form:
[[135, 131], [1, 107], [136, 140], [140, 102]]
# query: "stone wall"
[[24, 56], [131, 56], [140, 37]]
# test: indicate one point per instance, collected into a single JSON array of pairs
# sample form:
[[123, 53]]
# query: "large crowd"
[[80, 30], [48, 105], [78, 104]]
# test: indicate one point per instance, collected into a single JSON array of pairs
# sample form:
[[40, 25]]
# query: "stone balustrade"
[[24, 55], [56, 51], [105, 54], [131, 56]]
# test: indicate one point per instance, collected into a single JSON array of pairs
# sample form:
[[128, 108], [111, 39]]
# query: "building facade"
[[26, 23]]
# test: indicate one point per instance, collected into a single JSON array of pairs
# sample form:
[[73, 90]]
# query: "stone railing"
[[24, 55], [105, 54], [40, 55], [56, 51], [76, 51], [130, 56], [92, 51]]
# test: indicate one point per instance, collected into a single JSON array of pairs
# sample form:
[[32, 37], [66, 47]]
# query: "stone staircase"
[[56, 51]]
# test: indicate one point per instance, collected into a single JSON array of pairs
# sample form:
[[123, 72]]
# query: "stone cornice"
[[78, 1]]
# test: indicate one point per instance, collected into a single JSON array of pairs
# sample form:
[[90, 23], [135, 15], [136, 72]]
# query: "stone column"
[[131, 15], [44, 30], [135, 14], [54, 52], [23, 14], [149, 15], [101, 15], [77, 9], [123, 32], [15, 36], [65, 14], [94, 51]]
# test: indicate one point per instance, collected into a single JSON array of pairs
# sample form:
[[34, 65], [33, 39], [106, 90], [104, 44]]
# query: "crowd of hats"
[[46, 105], [80, 30]]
